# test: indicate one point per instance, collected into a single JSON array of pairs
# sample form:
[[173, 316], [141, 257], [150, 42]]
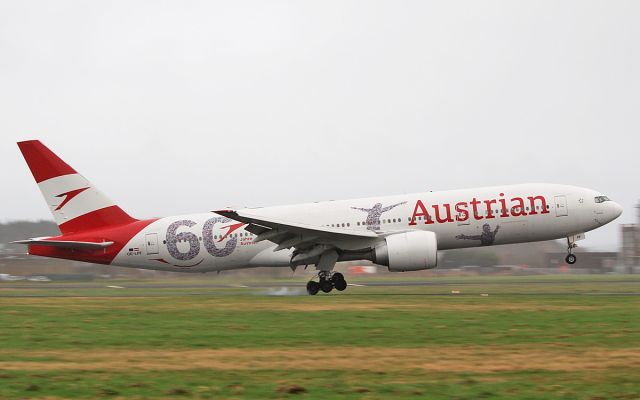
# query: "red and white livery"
[[401, 232]]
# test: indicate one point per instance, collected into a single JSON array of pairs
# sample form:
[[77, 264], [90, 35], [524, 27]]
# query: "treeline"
[[19, 230]]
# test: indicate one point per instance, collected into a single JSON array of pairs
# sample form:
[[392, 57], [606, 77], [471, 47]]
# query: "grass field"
[[498, 338]]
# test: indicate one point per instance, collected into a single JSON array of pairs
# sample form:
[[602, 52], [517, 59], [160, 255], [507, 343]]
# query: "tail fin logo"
[[68, 196]]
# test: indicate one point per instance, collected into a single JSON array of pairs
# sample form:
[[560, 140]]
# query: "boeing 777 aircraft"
[[402, 232]]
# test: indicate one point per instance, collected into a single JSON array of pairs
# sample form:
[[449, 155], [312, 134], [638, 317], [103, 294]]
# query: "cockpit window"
[[601, 199]]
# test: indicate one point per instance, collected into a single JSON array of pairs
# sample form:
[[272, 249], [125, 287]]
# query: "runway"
[[301, 283], [290, 288]]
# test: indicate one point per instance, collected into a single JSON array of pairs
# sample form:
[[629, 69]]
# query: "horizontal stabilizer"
[[68, 244]]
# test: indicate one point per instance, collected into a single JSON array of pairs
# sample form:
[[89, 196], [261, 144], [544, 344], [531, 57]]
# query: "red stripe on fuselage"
[[120, 235]]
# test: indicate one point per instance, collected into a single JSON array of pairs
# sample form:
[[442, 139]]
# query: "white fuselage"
[[459, 218]]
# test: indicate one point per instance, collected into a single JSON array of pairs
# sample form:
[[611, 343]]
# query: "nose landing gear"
[[327, 281], [571, 258]]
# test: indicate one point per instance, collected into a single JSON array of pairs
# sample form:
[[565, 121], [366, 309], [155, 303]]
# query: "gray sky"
[[185, 106]]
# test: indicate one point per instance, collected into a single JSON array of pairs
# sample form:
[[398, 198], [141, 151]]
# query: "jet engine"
[[408, 251]]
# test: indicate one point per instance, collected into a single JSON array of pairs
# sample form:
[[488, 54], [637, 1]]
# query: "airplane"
[[403, 232]]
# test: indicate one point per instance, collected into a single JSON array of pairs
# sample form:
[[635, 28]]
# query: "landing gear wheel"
[[571, 259], [313, 287], [340, 285], [339, 282], [326, 285]]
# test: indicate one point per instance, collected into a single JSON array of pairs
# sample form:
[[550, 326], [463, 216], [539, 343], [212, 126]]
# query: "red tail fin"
[[75, 203]]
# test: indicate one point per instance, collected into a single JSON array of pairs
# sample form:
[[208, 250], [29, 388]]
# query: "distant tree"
[[18, 230]]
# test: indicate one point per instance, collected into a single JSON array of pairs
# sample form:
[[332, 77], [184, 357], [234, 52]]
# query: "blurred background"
[[183, 107]]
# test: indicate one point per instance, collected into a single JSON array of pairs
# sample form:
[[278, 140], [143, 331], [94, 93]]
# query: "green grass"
[[40, 339], [208, 384]]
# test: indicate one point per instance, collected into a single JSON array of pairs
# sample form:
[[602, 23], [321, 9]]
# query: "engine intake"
[[408, 251]]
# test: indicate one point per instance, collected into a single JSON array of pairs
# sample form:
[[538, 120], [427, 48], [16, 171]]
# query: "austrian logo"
[[68, 196]]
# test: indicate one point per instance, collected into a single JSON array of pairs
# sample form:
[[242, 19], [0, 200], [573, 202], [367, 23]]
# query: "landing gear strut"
[[327, 281], [571, 258]]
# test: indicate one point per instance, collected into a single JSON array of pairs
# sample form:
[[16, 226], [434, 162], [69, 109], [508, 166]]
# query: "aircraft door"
[[152, 243], [561, 206]]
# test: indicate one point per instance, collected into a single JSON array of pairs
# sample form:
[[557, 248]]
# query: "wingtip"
[[225, 211]]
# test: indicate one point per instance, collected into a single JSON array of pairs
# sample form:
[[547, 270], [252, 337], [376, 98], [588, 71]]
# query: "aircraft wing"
[[309, 241]]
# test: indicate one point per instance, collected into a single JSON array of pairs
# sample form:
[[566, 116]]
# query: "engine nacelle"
[[408, 251]]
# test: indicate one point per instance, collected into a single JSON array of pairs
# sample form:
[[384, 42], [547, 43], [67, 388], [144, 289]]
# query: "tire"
[[337, 276], [313, 287], [571, 259], [340, 285], [326, 285]]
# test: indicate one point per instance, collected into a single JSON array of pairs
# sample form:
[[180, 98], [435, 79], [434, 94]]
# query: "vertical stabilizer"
[[75, 203]]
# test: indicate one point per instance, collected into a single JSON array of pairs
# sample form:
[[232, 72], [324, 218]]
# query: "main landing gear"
[[327, 282], [571, 258]]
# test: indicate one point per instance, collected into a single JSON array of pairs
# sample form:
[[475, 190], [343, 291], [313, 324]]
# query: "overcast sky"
[[185, 106]]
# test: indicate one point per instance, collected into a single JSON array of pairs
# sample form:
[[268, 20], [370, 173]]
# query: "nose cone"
[[614, 210]]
